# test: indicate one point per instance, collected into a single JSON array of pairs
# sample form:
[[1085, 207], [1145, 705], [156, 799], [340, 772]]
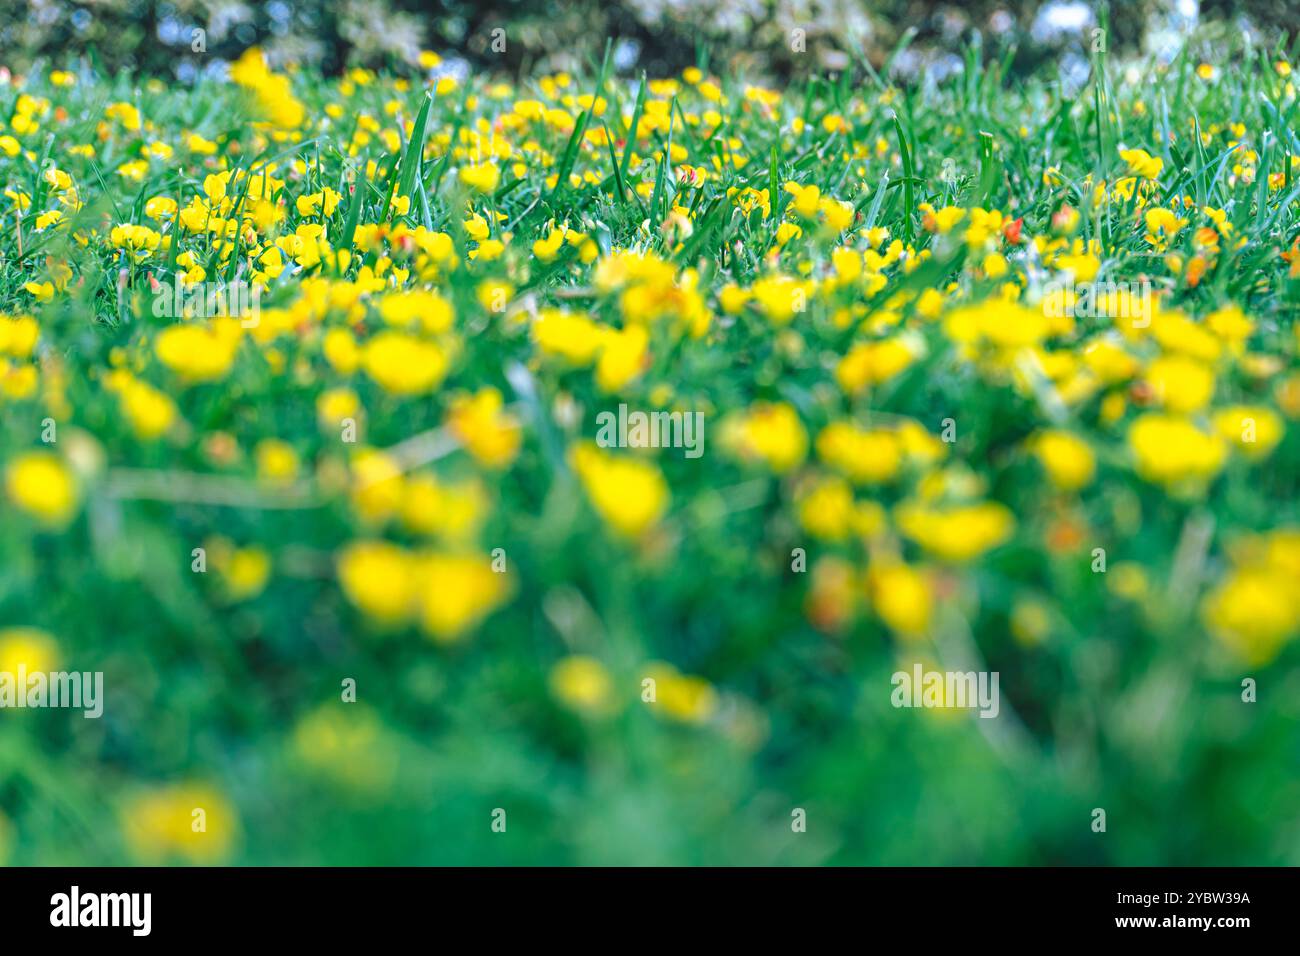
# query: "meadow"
[[301, 385]]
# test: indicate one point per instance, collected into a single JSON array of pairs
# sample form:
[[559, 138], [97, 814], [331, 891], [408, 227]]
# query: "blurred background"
[[660, 36]]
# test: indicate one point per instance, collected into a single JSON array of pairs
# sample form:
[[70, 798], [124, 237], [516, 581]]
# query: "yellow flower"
[[335, 404], [378, 579], [956, 533], [482, 177], [489, 434], [785, 232], [125, 113], [1254, 612], [624, 357], [403, 309], [781, 297], [139, 241], [871, 363], [682, 697], [277, 462], [998, 323], [18, 335], [1141, 163], [191, 822], [1031, 622], [806, 199], [347, 744], [272, 93], [377, 485], [1068, 460], [1254, 429], [160, 207], [321, 204], [454, 511], [1128, 579], [770, 433], [1170, 450], [43, 291], [826, 509], [195, 353], [629, 494], [341, 351], [902, 596], [494, 295], [749, 199], [1181, 384], [403, 364], [456, 592], [1162, 226], [1109, 362], [862, 455], [1230, 324], [150, 411], [545, 250], [573, 337], [583, 684], [28, 648], [40, 483], [476, 227], [245, 572]]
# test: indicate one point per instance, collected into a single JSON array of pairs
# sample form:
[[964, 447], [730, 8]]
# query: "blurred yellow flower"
[[489, 433], [902, 596], [246, 572], [27, 647], [826, 509], [871, 363], [862, 455], [377, 484], [454, 511], [1254, 429], [955, 533], [403, 364], [277, 462], [583, 684], [1169, 449], [1066, 458], [1254, 611], [681, 697], [195, 353], [187, 822], [378, 579], [455, 592], [771, 433], [1181, 384], [347, 744], [40, 483], [481, 177], [628, 493]]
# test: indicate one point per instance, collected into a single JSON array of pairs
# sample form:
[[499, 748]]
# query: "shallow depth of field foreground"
[[328, 438]]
